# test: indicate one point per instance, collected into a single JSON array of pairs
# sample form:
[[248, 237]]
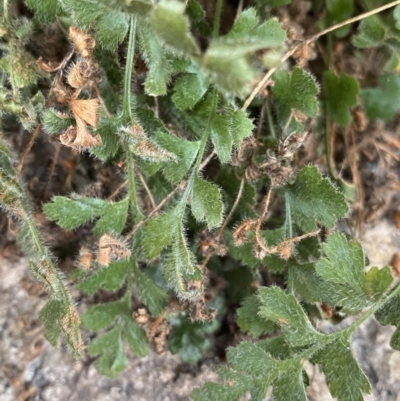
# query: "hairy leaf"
[[284, 310], [189, 89], [71, 213], [111, 277], [383, 102], [169, 22], [158, 233], [371, 33], [153, 296], [109, 346], [51, 315], [103, 315], [249, 320], [185, 151], [340, 94], [389, 314], [45, 10], [221, 136], [113, 218], [241, 127], [156, 60], [206, 203], [314, 199], [344, 376], [295, 91]]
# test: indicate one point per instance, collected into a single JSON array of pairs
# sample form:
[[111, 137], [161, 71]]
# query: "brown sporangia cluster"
[[111, 249], [240, 234], [211, 244], [277, 167], [83, 75], [157, 331], [86, 256]]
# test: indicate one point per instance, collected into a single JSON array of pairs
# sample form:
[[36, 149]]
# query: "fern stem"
[[57, 288], [126, 107], [217, 18], [127, 114], [200, 154]]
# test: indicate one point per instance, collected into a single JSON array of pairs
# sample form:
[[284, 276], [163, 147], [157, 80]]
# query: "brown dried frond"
[[79, 137], [48, 67], [245, 153], [61, 93], [69, 136], [111, 249], [70, 324], [200, 312], [75, 77], [84, 43], [240, 234], [85, 258], [87, 110], [395, 264], [278, 174], [252, 172]]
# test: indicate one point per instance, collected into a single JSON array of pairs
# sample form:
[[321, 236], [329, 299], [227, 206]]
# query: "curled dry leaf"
[[84, 43], [86, 110], [111, 249]]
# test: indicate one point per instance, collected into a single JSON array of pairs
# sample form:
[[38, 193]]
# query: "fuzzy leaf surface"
[[186, 152], [50, 315], [158, 233], [340, 94], [343, 272], [189, 89], [221, 136], [46, 10], [226, 60], [295, 91], [113, 218], [111, 277], [109, 346], [383, 102], [241, 127], [371, 33], [153, 296], [346, 380], [170, 23], [249, 320], [389, 314], [71, 213], [284, 310], [314, 199], [206, 203], [156, 59]]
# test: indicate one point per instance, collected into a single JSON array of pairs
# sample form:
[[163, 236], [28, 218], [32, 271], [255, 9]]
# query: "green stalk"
[[217, 18], [127, 115], [126, 108], [200, 154], [289, 234]]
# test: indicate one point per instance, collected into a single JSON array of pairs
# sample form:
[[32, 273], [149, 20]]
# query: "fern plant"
[[196, 105]]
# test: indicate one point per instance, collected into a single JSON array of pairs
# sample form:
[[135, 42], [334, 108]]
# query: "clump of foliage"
[[196, 105]]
